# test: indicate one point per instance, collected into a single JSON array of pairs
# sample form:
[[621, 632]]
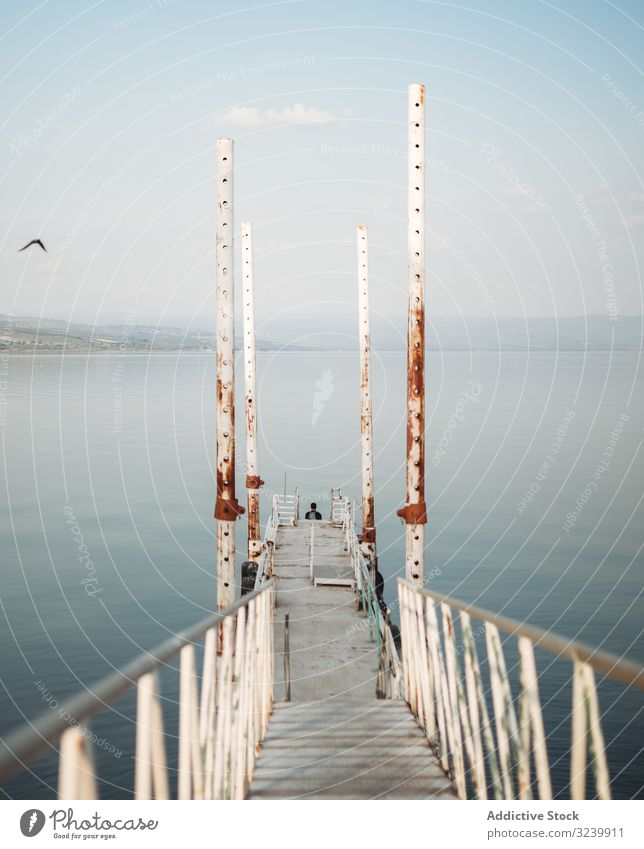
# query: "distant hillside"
[[24, 334]]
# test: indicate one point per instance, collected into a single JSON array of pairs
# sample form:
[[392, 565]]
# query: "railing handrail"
[[364, 578], [286, 506], [25, 744], [264, 560], [626, 671]]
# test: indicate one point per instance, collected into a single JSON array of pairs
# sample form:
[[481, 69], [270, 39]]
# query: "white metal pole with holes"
[[227, 508], [368, 535], [253, 480], [414, 513]]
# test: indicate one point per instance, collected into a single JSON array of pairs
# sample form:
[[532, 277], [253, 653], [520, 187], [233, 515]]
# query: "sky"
[[534, 144]]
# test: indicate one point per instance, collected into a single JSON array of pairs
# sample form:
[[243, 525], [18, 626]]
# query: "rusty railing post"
[[253, 480], [414, 513], [368, 534], [287, 661], [227, 508]]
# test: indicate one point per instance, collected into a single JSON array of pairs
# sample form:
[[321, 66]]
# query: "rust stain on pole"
[[414, 513], [227, 508], [368, 535], [253, 480]]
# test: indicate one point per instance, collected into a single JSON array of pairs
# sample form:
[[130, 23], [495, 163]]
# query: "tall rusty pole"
[[227, 508], [368, 535], [414, 513], [253, 481]]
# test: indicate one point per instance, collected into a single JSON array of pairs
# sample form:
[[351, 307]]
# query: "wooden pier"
[[302, 688], [334, 739]]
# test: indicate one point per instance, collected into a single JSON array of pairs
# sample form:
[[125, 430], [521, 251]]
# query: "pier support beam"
[[368, 535], [227, 508], [253, 481], [414, 513]]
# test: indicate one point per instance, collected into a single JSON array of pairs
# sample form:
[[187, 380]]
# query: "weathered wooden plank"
[[393, 788]]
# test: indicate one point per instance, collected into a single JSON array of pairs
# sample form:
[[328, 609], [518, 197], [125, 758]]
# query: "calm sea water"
[[536, 480]]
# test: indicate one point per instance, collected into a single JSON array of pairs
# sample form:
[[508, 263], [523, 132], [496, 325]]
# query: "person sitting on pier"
[[313, 513]]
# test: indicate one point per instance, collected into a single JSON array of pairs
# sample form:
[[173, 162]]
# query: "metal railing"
[[265, 560], [389, 681], [340, 507], [503, 755], [286, 509], [221, 723]]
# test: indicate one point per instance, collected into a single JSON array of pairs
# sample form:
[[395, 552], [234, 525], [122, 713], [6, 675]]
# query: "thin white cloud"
[[602, 200], [635, 220], [630, 206], [518, 190], [250, 117]]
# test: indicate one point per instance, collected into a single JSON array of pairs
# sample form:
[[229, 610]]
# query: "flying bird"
[[33, 242]]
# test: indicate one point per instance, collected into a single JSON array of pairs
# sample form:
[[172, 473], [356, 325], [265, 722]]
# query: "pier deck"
[[335, 739]]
